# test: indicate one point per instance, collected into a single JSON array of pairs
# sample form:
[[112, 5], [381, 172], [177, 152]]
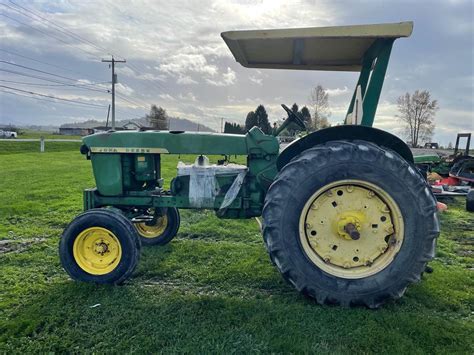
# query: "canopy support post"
[[371, 99]]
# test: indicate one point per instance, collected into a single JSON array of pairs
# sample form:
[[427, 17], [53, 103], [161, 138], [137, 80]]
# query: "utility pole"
[[114, 81]]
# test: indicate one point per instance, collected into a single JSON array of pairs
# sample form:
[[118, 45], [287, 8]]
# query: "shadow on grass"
[[188, 317]]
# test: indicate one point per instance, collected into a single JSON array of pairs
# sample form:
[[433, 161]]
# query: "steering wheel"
[[294, 116]]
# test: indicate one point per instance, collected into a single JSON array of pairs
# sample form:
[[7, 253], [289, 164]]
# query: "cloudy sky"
[[177, 59]]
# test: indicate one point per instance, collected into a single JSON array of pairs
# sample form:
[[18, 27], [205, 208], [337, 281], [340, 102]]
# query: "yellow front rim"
[[351, 229], [97, 251], [154, 230]]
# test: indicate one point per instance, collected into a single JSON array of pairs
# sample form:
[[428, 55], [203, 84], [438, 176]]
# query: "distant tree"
[[306, 115], [157, 118], [294, 108], [450, 145], [250, 121], [418, 111], [320, 102], [262, 119], [233, 128]]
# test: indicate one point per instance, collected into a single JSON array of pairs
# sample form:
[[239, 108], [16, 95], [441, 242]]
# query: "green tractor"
[[347, 218]]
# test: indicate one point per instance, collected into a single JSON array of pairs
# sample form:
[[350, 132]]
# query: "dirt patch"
[[18, 246]]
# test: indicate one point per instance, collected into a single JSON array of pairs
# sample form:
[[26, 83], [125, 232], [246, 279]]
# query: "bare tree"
[[158, 118], [320, 102], [418, 111]]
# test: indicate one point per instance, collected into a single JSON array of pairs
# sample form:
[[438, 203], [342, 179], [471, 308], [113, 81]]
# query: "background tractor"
[[347, 218]]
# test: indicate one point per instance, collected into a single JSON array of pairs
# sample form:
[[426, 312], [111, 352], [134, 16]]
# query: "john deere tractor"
[[347, 218]]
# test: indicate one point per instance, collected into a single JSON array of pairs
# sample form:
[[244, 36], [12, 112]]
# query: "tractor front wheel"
[[350, 223], [161, 229], [100, 246]]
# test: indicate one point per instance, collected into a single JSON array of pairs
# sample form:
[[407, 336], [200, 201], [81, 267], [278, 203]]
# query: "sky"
[[176, 59]]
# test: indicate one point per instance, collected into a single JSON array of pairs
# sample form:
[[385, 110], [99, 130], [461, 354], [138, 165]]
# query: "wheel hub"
[[348, 227], [153, 229], [97, 251], [351, 228]]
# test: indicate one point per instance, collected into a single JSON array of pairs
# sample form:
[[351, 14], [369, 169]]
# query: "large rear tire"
[[350, 223], [470, 201], [100, 246]]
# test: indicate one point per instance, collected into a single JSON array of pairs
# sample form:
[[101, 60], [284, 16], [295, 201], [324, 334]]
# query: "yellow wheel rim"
[[97, 251], [155, 230], [351, 229]]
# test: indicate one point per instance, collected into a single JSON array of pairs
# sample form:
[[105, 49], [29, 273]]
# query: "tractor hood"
[[164, 142]]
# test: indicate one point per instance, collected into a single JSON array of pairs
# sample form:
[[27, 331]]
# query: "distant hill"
[[176, 124]]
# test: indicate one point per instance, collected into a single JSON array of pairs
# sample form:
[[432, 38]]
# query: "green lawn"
[[212, 289], [32, 134]]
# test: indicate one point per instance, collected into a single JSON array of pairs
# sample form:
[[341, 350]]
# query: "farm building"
[[75, 131]]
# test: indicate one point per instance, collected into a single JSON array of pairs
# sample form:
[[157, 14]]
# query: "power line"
[[156, 86], [52, 80], [50, 85], [47, 34], [61, 28], [42, 62], [134, 102], [37, 70], [73, 35], [52, 97], [34, 97]]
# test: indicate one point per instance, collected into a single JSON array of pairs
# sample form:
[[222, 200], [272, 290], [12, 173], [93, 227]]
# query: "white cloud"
[[166, 97], [226, 79], [337, 91], [258, 81], [186, 80], [124, 89], [183, 63], [188, 97]]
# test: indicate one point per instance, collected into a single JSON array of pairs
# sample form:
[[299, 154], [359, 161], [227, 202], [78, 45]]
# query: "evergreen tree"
[[262, 119], [250, 121], [306, 115], [294, 108], [233, 128], [158, 118]]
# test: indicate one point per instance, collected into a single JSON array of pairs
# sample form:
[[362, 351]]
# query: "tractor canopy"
[[340, 48], [361, 48]]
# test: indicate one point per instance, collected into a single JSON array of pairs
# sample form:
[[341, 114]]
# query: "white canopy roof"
[[340, 48]]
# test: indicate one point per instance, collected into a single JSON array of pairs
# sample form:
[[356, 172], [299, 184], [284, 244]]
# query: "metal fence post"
[[42, 144]]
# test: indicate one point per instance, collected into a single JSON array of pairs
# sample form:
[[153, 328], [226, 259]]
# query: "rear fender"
[[345, 132]]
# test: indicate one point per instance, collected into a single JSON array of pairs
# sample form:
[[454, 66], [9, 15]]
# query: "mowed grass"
[[212, 289], [33, 134]]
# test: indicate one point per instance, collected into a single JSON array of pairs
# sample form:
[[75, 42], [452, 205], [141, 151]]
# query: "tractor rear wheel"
[[470, 201], [350, 223], [162, 229], [100, 246]]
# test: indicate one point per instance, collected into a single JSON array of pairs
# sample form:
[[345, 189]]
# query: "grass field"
[[212, 289], [32, 134]]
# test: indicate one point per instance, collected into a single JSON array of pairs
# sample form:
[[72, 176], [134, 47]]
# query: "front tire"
[[162, 229], [350, 223], [99, 246]]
